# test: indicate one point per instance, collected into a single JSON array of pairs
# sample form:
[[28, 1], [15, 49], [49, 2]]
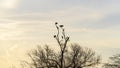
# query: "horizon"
[[25, 24]]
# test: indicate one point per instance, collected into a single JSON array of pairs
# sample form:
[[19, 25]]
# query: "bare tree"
[[80, 57], [114, 62], [73, 56]]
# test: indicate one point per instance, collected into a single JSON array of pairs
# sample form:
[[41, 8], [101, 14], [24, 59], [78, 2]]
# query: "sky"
[[24, 24]]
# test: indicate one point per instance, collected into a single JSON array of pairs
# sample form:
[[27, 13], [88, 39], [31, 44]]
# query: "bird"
[[56, 23], [61, 25], [54, 36]]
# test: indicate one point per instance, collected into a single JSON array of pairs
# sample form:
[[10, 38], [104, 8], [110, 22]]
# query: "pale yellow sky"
[[24, 24]]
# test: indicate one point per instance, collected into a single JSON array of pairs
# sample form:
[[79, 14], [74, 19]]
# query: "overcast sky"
[[24, 24]]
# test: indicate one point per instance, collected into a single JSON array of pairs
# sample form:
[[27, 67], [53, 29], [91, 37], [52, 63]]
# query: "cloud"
[[69, 15], [9, 4], [8, 29], [109, 21]]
